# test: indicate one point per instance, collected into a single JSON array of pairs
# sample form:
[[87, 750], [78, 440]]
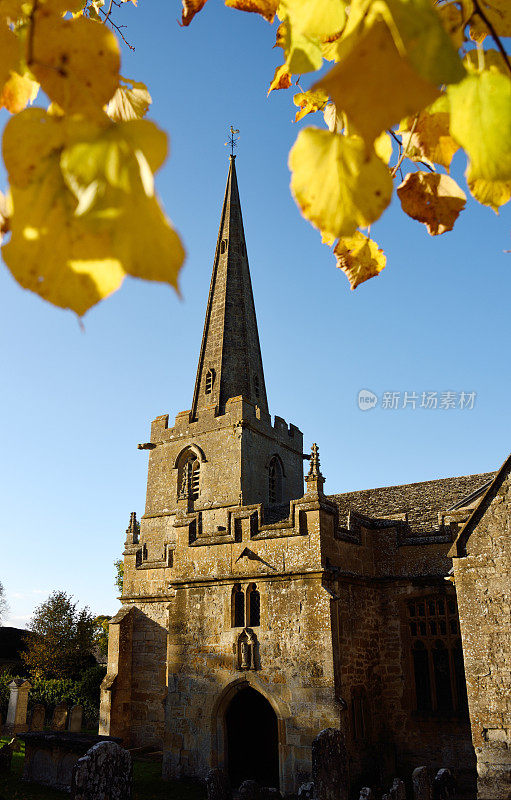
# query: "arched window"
[[275, 481], [253, 606], [257, 386], [210, 379], [189, 476], [437, 658], [223, 245], [237, 607]]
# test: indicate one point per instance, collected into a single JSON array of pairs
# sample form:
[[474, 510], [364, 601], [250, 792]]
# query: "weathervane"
[[233, 139]]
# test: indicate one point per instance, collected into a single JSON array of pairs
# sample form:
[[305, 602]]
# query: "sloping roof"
[[420, 501], [459, 547]]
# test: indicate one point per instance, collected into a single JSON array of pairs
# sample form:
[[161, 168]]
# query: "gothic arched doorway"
[[252, 739]]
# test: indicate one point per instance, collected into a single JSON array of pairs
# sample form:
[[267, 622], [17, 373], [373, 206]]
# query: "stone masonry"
[[256, 614]]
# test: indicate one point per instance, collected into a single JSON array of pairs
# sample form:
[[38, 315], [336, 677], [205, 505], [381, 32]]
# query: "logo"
[[366, 399]]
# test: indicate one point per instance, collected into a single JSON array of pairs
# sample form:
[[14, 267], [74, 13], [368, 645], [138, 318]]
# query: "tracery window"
[[210, 379], [437, 657], [275, 481]]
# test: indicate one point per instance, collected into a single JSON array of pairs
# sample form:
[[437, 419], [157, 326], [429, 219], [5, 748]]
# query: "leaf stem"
[[405, 151], [495, 36]]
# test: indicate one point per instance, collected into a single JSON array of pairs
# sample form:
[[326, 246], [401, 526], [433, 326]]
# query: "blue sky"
[[75, 403]]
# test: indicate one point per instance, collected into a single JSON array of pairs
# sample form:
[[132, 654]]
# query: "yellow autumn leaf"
[[11, 9], [303, 54], [130, 101], [490, 193], [190, 9], [76, 61], [491, 60], [18, 92], [146, 242], [5, 215], [55, 254], [418, 34], [373, 84], [281, 79], [333, 121], [430, 140], [266, 8], [61, 6], [309, 102], [432, 198], [480, 109], [337, 184], [321, 19], [88, 187], [359, 258], [454, 19], [28, 139], [9, 53], [383, 147], [498, 13]]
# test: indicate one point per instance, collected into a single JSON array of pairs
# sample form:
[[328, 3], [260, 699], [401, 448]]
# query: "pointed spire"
[[314, 477], [230, 361]]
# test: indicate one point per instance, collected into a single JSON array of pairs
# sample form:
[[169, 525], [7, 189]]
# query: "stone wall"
[[482, 570]]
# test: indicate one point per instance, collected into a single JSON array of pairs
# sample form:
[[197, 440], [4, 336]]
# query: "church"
[[257, 611]]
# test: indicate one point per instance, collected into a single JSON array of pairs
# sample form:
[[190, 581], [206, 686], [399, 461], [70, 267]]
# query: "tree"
[[63, 638], [119, 574], [101, 635], [411, 82], [4, 608]]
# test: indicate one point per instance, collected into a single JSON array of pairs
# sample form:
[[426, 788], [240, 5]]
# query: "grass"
[[147, 784]]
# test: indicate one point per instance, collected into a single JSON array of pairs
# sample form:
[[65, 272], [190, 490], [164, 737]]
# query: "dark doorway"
[[252, 740]]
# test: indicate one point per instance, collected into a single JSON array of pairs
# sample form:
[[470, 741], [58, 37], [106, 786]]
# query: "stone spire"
[[314, 477], [230, 361]]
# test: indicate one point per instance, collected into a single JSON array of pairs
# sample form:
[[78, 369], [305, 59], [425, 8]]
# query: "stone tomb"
[[105, 772], [50, 757]]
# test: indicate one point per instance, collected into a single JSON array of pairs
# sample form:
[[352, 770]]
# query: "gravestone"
[[105, 772], [16, 721], [397, 790], [37, 717], [444, 785], [6, 751], [306, 791], [421, 784], [217, 785], [330, 765], [59, 719], [75, 719], [249, 790]]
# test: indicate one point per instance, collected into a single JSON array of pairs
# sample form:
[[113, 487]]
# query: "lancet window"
[[245, 607], [189, 476], [275, 481]]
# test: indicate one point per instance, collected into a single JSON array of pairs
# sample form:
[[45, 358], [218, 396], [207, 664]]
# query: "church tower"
[[225, 451]]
